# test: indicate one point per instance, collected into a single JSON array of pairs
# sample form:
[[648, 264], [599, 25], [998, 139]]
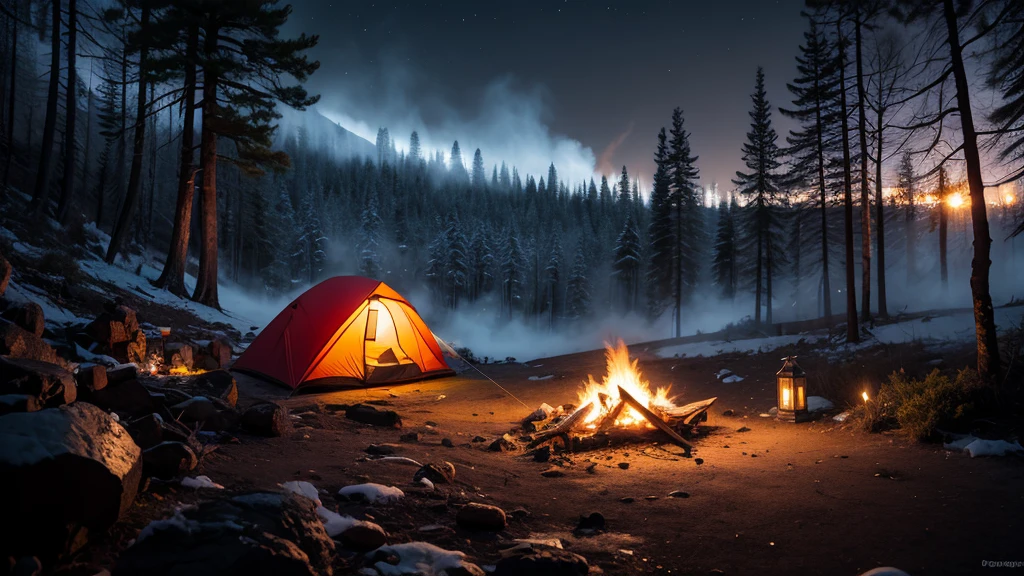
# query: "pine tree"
[[370, 236], [687, 205], [503, 178], [760, 186], [626, 264], [242, 86], [905, 187], [437, 263], [552, 178], [415, 155], [724, 265], [578, 289], [278, 275], [811, 146], [551, 280], [455, 165], [660, 233], [311, 244], [383, 145], [513, 265], [624, 203], [456, 268], [481, 263], [479, 172]]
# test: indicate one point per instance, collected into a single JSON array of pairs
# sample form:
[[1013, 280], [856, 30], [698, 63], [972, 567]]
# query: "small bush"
[[60, 264], [918, 407]]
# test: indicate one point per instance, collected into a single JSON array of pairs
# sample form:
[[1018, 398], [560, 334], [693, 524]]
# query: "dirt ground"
[[809, 498]]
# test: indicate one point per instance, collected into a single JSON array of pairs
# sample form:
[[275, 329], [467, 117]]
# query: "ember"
[[622, 373]]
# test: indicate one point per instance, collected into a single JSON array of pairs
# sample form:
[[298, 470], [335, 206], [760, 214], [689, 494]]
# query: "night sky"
[[606, 74]]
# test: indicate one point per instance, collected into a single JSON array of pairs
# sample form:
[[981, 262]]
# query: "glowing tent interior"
[[347, 331]]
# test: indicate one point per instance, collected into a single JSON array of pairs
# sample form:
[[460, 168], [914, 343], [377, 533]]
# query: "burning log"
[[654, 419], [609, 419], [564, 427], [691, 413]]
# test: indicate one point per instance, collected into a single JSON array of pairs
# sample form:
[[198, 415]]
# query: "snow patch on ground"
[[419, 558], [305, 489], [371, 492], [547, 377], [749, 345], [200, 482], [732, 379], [819, 404], [977, 447]]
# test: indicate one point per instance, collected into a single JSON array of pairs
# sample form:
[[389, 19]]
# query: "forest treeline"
[[160, 123]]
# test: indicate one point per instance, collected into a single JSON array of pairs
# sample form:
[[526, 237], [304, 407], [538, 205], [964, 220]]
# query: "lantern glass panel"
[[785, 393], [801, 393]]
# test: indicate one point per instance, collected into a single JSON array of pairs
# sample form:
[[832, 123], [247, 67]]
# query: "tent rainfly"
[[345, 331]]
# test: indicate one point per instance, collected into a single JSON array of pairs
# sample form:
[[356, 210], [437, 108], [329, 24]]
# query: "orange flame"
[[605, 395]]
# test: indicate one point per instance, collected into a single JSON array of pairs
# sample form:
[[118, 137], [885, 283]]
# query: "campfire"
[[623, 404]]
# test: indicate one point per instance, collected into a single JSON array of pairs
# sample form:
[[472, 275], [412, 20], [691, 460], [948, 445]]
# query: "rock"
[[474, 516], [5, 274], [131, 350], [364, 537], [410, 437], [18, 403], [443, 473], [465, 569], [46, 385], [542, 413], [698, 461], [116, 326], [220, 350], [66, 475], [627, 500], [128, 397], [252, 534], [728, 412], [478, 439], [591, 523], [217, 384], [553, 472], [369, 415], [147, 431], [624, 465], [504, 444], [541, 560], [679, 494], [380, 449], [178, 356], [91, 377], [542, 454], [198, 410], [17, 342], [447, 443], [266, 419], [168, 460], [28, 316], [743, 429], [122, 373]]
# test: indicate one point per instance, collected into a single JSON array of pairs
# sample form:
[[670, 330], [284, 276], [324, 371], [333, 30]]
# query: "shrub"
[[60, 264], [919, 407]]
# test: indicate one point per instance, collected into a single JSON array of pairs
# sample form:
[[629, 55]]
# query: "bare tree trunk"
[[173, 276], [88, 136], [883, 309], [865, 195], [768, 280], [984, 316], [206, 283], [12, 97], [124, 219], [943, 228], [71, 110], [677, 263], [42, 190], [757, 282], [826, 288], [852, 329], [911, 221]]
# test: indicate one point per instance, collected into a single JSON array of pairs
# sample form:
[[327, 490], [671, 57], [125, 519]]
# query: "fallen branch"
[[564, 426], [654, 419]]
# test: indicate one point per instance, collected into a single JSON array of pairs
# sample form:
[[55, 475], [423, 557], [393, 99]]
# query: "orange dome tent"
[[346, 330]]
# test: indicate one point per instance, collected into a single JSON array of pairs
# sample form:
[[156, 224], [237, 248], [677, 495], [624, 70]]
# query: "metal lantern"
[[792, 381]]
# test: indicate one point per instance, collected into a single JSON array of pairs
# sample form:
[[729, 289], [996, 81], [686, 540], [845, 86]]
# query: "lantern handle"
[[788, 358]]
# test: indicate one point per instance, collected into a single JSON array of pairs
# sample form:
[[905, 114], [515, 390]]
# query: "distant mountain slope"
[[325, 134]]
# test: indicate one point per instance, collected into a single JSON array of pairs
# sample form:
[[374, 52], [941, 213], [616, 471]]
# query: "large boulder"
[[28, 316], [213, 355], [210, 414], [474, 516], [168, 460], [66, 474], [216, 384], [5, 274], [17, 342], [91, 377], [125, 397], [266, 419], [252, 535], [47, 385]]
